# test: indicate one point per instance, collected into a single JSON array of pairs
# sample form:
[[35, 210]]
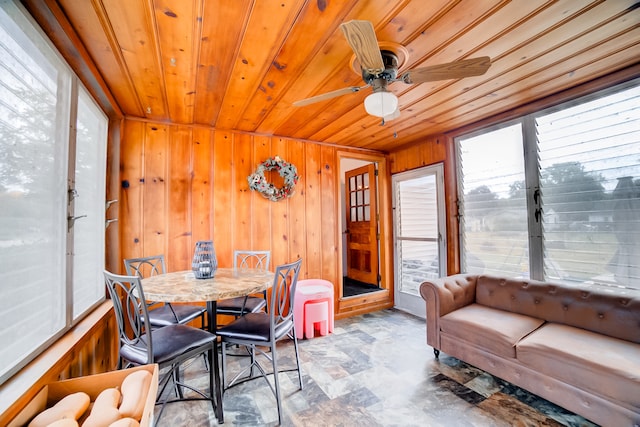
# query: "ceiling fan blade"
[[451, 70], [362, 39], [328, 95]]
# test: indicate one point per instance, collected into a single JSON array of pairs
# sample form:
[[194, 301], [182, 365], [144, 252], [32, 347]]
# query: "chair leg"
[[215, 388], [275, 380], [224, 364], [176, 382], [295, 347]]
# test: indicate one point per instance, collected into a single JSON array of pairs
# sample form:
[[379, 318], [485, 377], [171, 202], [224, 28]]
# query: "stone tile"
[[374, 370]]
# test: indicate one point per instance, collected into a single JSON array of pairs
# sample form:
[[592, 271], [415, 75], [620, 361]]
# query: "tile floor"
[[374, 370]]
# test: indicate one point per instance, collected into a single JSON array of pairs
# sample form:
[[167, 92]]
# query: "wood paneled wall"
[[181, 184]]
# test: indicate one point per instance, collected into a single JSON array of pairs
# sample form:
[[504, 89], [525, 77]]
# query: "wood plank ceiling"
[[240, 64]]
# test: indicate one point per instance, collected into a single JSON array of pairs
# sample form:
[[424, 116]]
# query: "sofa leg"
[[436, 352]]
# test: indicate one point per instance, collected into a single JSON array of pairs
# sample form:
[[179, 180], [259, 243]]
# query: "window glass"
[[89, 205], [36, 106], [494, 227], [590, 183], [582, 185], [33, 143]]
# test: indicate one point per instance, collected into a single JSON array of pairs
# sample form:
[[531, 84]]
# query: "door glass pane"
[[417, 228], [494, 209]]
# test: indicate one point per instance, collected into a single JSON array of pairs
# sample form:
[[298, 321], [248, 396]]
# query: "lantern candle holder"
[[204, 262]]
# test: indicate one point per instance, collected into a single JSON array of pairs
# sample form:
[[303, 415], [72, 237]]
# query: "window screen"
[[590, 184], [567, 207], [494, 223]]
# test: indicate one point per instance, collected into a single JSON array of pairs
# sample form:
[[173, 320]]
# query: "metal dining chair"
[[163, 314], [169, 346], [259, 333], [240, 306]]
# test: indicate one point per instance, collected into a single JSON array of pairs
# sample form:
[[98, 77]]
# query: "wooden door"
[[362, 224]]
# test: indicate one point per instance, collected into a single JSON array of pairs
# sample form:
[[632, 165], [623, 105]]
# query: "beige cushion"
[[602, 365], [496, 331]]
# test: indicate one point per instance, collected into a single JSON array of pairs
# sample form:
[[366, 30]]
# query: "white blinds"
[[568, 210], [33, 153], [494, 220], [590, 182], [90, 171], [38, 301]]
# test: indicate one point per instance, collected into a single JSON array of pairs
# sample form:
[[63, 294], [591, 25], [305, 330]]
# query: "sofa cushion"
[[592, 307], [593, 362], [496, 331]]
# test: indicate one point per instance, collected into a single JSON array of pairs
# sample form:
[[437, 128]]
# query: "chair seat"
[[169, 343], [233, 306], [254, 327], [163, 316]]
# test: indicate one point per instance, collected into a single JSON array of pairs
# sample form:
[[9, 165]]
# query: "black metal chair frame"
[[169, 346], [237, 306], [260, 332], [163, 314]]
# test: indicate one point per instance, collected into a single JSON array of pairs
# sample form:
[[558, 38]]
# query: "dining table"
[[183, 286]]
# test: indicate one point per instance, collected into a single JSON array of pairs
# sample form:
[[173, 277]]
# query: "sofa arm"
[[443, 296]]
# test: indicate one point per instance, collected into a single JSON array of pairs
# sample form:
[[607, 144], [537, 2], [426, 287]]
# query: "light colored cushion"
[[603, 365], [496, 331]]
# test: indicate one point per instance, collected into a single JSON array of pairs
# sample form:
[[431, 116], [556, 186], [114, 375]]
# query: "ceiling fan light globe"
[[392, 116], [380, 104]]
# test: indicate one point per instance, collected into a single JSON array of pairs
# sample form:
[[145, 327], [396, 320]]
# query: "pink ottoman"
[[312, 291]]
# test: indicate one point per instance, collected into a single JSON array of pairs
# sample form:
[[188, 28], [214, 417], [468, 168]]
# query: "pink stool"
[[312, 291], [316, 313]]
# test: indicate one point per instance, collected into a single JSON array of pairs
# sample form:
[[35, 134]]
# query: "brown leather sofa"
[[576, 347]]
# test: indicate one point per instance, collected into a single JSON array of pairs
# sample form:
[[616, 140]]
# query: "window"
[[52, 169], [556, 195]]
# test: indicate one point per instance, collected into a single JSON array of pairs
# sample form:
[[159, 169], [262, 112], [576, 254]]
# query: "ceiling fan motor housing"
[[390, 61]]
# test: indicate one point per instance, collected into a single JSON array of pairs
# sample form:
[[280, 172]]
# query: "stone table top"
[[182, 286]]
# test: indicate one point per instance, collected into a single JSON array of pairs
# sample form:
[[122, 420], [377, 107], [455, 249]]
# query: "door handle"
[[71, 220]]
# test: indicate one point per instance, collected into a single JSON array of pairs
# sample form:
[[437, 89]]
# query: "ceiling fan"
[[380, 68]]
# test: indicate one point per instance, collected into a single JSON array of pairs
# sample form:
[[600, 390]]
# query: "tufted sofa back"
[[613, 312]]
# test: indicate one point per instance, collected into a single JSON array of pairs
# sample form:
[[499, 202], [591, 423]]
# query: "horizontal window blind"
[[493, 205], [590, 185], [33, 149], [39, 301]]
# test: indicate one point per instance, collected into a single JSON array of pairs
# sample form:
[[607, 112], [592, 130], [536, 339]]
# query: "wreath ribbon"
[[287, 171]]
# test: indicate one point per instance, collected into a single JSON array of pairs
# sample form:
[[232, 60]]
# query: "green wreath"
[[287, 171]]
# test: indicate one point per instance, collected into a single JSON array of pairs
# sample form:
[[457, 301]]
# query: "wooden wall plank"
[[297, 225], [223, 210], [280, 234], [201, 186], [155, 190], [242, 167], [313, 210], [179, 199], [329, 214], [130, 205], [261, 218]]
